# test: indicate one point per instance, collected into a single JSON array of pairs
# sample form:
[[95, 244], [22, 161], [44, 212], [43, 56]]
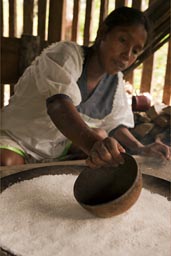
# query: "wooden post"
[[130, 75], [1, 34], [12, 18], [120, 3], [56, 20], [12, 28], [137, 4], [87, 27], [167, 84], [2, 95], [103, 10], [75, 21], [1, 19], [147, 71], [28, 17], [41, 19]]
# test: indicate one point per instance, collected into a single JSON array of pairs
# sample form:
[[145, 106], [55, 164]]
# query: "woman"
[[76, 94]]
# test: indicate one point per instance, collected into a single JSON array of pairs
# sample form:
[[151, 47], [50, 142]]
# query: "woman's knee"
[[9, 158]]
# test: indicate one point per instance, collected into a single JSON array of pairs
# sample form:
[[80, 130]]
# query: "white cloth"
[[55, 71], [121, 113]]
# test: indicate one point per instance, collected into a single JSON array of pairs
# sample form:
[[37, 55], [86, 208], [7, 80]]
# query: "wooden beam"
[[28, 16], [1, 34], [87, 27], [12, 18], [12, 28], [42, 18], [1, 18], [75, 21], [103, 10], [130, 75], [10, 51], [147, 71], [147, 165], [56, 20], [2, 95], [120, 3], [137, 4], [16, 55], [167, 85]]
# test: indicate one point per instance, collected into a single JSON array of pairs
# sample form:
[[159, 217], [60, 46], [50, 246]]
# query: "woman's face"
[[120, 48]]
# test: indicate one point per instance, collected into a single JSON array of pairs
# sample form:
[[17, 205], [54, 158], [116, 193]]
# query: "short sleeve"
[[121, 114], [57, 70]]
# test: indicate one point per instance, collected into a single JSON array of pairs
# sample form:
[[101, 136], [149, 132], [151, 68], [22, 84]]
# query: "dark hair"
[[123, 16]]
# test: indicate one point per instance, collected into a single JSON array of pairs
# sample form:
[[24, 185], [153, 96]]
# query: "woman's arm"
[[67, 119], [157, 149]]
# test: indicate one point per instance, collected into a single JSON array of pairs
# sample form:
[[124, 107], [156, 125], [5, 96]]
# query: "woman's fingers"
[[105, 152], [115, 149], [99, 155], [158, 150], [166, 149], [163, 149], [96, 159]]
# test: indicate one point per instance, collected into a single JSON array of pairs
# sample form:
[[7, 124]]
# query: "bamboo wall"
[[58, 28]]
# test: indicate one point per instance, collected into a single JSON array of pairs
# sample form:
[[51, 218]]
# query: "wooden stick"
[[148, 165], [8, 170]]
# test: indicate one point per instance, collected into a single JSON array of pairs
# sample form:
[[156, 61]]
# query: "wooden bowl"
[[109, 191], [140, 103]]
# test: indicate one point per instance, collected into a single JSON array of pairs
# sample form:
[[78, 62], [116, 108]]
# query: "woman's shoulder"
[[64, 48], [63, 53]]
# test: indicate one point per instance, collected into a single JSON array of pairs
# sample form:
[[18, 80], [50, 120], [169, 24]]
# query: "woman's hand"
[[157, 150], [105, 152]]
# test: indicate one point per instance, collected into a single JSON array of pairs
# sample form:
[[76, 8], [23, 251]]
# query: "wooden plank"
[[103, 10], [11, 56], [157, 8], [120, 3], [2, 95], [56, 20], [10, 52], [147, 71], [75, 21], [167, 84], [160, 34], [11, 89], [87, 27], [42, 18], [147, 165], [1, 19], [137, 4], [130, 75], [12, 18], [12, 28], [8, 170], [28, 17], [1, 34]]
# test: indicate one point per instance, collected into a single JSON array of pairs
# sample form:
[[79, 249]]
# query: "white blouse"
[[55, 71]]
